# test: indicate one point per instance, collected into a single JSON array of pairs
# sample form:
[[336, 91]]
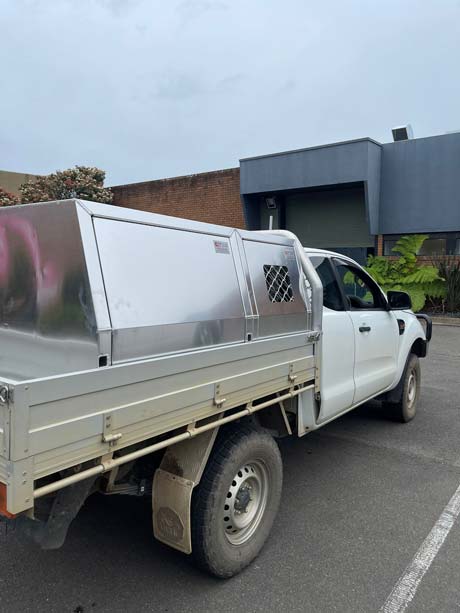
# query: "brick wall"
[[213, 197]]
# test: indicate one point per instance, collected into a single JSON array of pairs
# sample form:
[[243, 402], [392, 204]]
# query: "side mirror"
[[399, 301]]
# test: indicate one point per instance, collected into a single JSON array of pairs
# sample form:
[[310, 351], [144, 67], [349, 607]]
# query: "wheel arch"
[[394, 394], [419, 347]]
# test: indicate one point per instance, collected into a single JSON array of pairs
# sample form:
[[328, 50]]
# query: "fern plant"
[[449, 268], [405, 274]]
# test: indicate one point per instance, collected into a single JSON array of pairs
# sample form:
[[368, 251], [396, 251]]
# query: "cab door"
[[338, 344], [375, 329]]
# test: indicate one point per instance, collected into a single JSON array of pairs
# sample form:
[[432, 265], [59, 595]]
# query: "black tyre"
[[237, 500], [405, 409]]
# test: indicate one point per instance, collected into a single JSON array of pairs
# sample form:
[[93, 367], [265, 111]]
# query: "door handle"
[[364, 328]]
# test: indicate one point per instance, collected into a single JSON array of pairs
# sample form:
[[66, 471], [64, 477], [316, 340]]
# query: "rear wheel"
[[405, 409], [236, 502]]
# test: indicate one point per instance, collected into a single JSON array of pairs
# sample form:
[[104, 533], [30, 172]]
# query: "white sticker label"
[[222, 247]]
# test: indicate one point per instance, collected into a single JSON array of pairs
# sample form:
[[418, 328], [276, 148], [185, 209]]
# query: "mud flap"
[[180, 471], [68, 501], [172, 500]]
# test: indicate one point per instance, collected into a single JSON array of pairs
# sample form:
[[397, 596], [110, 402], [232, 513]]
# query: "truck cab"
[[368, 339]]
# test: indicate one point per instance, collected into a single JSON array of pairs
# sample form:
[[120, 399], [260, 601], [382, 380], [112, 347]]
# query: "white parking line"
[[405, 589]]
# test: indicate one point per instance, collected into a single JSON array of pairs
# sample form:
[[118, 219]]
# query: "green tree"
[[404, 273], [83, 182]]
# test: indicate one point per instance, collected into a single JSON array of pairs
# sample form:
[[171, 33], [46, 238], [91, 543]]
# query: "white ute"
[[152, 356]]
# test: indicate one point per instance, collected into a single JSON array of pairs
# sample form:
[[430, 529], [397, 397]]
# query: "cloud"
[[194, 9], [288, 85], [118, 7], [230, 83], [179, 87]]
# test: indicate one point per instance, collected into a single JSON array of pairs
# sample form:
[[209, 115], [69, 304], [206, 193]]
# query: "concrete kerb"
[[446, 321]]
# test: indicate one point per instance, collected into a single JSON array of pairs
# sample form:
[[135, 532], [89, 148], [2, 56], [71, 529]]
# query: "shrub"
[[405, 274], [7, 199], [80, 182], [449, 269]]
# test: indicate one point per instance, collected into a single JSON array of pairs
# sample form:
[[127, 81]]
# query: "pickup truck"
[[146, 355]]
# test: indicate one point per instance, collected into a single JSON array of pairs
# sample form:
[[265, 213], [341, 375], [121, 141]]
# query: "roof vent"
[[402, 133]]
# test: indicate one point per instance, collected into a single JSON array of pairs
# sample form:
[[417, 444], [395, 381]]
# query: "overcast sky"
[[148, 89]]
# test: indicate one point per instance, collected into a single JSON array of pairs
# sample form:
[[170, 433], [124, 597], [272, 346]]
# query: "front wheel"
[[237, 500], [406, 408]]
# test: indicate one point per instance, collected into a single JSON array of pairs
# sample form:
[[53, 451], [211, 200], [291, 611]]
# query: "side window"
[[278, 283], [332, 298], [360, 290]]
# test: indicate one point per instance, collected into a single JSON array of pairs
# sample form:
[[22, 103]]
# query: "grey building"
[[357, 197]]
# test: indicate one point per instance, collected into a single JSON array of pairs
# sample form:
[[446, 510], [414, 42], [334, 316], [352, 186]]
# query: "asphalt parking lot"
[[360, 497]]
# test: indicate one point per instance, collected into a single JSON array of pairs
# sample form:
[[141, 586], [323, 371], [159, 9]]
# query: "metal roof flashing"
[[337, 144]]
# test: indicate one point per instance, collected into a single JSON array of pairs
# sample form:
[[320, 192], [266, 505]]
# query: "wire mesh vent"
[[278, 283]]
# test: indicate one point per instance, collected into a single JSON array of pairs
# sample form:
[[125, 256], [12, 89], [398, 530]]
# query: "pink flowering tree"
[[83, 182], [7, 199]]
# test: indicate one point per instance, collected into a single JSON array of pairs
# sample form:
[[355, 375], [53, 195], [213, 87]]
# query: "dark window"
[[332, 298], [436, 244], [433, 246], [457, 247], [388, 245], [361, 291], [278, 283]]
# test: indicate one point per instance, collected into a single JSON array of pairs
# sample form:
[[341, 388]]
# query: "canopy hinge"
[[5, 394]]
